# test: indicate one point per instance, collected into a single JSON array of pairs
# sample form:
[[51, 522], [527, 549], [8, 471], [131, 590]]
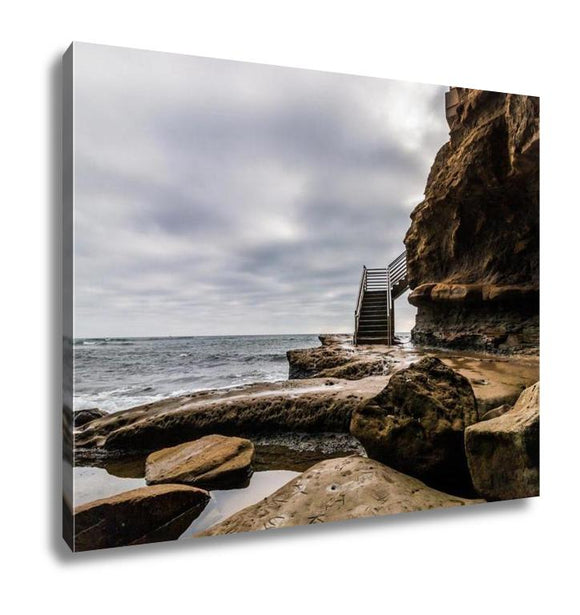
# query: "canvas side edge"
[[67, 298]]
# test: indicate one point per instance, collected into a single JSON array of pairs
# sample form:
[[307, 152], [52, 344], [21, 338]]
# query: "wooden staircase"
[[374, 317]]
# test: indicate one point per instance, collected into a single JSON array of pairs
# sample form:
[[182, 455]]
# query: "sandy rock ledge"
[[336, 490]]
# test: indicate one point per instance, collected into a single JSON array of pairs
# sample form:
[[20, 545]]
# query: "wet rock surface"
[[147, 514], [317, 405], [336, 490], [503, 453], [416, 423], [212, 462], [496, 380], [473, 244], [298, 452]]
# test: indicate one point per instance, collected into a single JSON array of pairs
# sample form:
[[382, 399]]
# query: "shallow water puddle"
[[96, 483], [224, 504], [278, 459], [92, 484]]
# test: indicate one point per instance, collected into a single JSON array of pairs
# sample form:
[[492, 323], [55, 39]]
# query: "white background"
[[504, 557]]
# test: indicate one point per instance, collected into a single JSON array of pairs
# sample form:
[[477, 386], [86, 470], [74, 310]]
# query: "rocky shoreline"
[[452, 420], [415, 427]]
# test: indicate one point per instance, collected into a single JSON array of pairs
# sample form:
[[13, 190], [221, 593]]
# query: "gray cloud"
[[215, 197]]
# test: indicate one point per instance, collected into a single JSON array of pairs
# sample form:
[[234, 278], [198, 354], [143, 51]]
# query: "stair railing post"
[[389, 332], [361, 291]]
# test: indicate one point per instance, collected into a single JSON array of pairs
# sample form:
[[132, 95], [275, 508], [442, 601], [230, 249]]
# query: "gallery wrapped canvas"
[[291, 297]]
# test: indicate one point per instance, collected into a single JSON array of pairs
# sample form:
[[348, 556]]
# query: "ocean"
[[118, 373]]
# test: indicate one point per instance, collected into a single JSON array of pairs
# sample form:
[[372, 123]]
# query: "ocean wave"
[[118, 373], [104, 342]]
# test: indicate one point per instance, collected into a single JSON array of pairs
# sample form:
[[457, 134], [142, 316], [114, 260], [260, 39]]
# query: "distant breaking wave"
[[118, 373]]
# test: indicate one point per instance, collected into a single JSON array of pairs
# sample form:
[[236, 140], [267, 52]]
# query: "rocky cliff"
[[473, 244]]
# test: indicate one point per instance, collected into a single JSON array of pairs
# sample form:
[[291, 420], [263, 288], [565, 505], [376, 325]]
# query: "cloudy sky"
[[218, 197]]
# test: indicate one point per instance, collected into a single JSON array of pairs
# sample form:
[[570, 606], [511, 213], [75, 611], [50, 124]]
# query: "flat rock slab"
[[212, 462], [503, 453], [336, 490], [317, 405], [147, 514], [495, 380]]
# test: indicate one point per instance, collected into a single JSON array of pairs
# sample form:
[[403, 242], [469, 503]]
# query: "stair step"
[[377, 324], [373, 336], [373, 327], [383, 286]]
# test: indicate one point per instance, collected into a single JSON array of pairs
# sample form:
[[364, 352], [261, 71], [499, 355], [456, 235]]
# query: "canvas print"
[[291, 297]]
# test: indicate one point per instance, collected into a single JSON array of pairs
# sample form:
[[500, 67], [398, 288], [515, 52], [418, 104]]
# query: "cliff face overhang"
[[473, 244]]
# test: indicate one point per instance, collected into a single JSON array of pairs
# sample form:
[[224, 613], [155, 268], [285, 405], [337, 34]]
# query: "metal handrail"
[[361, 290], [402, 256], [389, 309], [382, 280]]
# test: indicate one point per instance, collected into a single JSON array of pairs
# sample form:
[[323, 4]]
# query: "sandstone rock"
[[416, 423], [319, 405], [495, 412], [336, 490], [148, 514], [212, 462], [473, 243], [332, 339], [503, 453], [310, 362], [496, 380], [81, 417], [474, 293], [337, 358]]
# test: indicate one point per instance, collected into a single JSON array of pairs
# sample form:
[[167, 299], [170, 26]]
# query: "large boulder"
[[336, 490], [503, 453], [416, 423], [147, 514], [212, 462]]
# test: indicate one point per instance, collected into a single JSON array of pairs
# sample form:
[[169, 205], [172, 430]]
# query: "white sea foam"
[[118, 373]]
